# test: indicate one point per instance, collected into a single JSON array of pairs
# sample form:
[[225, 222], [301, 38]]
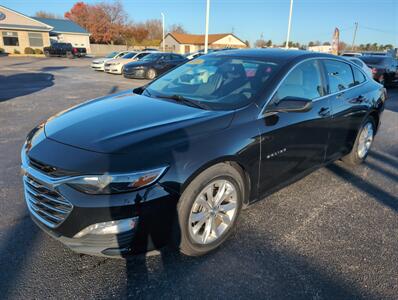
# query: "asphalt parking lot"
[[331, 235]]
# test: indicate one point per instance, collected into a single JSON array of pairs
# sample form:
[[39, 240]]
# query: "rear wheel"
[[151, 74], [209, 208], [362, 144]]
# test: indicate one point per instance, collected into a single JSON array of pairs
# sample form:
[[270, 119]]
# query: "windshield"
[[151, 57], [129, 55], [111, 55], [218, 82]]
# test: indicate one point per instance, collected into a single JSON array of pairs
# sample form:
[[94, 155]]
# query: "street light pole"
[[207, 25], [289, 24], [355, 35], [163, 46]]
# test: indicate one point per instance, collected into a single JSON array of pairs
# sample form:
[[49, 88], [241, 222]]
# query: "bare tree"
[[177, 28], [48, 15]]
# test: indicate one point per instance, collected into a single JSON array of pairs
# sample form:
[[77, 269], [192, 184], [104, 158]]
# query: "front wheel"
[[362, 144], [209, 208], [151, 74]]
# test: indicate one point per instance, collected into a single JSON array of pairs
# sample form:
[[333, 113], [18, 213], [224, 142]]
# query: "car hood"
[[122, 60], [136, 64], [123, 121]]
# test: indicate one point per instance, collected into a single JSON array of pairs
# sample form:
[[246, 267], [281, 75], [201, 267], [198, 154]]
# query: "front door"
[[187, 49], [294, 142]]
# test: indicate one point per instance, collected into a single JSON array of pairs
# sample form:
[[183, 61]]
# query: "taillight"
[[374, 70], [74, 50]]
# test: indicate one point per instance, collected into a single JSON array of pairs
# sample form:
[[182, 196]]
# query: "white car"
[[115, 66], [98, 64], [361, 64]]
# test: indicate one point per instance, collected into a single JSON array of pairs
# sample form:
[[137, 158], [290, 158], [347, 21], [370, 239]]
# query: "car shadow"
[[22, 84], [377, 193], [15, 252], [261, 271], [55, 68]]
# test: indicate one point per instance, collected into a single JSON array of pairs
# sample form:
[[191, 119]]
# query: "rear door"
[[295, 142], [348, 105]]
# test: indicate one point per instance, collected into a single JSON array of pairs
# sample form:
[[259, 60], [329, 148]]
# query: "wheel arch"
[[237, 165]]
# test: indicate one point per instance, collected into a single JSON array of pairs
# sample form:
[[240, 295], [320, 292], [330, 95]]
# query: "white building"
[[186, 43], [323, 48]]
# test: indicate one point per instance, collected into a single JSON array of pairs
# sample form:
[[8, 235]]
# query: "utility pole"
[[355, 35], [207, 25], [289, 24], [163, 45]]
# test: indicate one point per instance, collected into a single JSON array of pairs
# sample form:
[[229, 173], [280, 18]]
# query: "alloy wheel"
[[365, 140], [151, 74], [213, 212]]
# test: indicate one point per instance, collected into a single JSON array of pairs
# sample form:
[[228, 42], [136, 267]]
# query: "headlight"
[[115, 183]]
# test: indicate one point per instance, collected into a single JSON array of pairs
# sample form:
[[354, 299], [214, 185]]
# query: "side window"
[[339, 75], [358, 76], [175, 57], [141, 55], [304, 82]]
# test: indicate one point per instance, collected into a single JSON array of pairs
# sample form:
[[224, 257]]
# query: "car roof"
[[272, 54]]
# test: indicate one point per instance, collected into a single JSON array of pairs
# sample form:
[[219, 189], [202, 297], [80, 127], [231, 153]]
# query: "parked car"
[[64, 49], [98, 64], [360, 63], [115, 66], [384, 68], [352, 54], [153, 65], [176, 160]]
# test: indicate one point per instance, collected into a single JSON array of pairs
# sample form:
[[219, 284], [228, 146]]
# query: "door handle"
[[340, 95], [324, 112], [358, 99]]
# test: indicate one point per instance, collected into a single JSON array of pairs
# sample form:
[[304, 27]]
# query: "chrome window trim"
[[262, 112]]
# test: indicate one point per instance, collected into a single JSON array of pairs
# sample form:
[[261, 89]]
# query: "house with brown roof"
[[186, 43]]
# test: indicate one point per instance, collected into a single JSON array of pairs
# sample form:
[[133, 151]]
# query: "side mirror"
[[291, 104], [139, 90]]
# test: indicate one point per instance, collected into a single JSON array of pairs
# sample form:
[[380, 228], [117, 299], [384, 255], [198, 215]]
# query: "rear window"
[[358, 76], [374, 60]]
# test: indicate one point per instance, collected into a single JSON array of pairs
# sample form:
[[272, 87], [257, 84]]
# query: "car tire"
[[362, 144], [221, 180], [151, 74]]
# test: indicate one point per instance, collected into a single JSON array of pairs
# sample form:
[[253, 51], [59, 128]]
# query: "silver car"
[[98, 64]]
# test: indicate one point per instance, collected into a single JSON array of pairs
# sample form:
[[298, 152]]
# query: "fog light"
[[111, 227]]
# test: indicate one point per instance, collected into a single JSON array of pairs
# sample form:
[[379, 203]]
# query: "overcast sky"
[[248, 19]]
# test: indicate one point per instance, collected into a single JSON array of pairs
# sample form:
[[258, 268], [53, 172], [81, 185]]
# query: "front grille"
[[45, 203]]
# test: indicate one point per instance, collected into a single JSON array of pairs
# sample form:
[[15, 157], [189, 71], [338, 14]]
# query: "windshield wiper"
[[184, 100]]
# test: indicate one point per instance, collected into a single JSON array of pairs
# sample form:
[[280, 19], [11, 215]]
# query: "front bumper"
[[113, 69], [152, 209], [135, 73], [97, 67]]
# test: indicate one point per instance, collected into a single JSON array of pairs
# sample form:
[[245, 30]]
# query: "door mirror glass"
[[291, 104]]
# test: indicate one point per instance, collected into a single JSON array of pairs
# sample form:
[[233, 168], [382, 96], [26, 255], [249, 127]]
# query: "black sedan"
[[153, 65], [175, 161], [384, 68]]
